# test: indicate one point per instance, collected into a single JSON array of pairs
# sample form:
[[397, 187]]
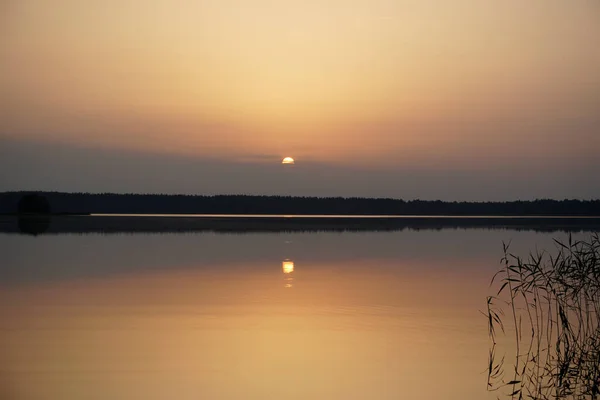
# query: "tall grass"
[[546, 308]]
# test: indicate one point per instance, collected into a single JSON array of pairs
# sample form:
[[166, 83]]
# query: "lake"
[[257, 315]]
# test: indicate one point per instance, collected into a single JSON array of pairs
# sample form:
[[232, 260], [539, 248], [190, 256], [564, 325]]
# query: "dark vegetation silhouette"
[[549, 304], [33, 204], [85, 203]]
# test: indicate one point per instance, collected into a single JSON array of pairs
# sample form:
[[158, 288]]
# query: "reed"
[[545, 308]]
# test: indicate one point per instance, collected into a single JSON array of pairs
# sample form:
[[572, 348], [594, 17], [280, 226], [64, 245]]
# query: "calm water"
[[369, 315]]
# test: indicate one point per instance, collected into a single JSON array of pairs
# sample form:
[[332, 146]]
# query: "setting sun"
[[288, 160]]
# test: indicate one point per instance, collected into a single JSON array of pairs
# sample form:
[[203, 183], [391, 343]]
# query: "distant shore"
[[60, 203]]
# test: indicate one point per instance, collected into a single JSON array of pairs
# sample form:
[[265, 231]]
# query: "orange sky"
[[374, 83]]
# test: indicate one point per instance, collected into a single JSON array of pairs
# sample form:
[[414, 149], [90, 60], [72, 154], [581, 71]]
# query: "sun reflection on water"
[[287, 266]]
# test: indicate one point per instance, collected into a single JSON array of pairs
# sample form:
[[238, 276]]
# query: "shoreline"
[[82, 224]]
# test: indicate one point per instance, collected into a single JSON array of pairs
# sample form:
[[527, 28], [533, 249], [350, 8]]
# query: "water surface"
[[332, 315]]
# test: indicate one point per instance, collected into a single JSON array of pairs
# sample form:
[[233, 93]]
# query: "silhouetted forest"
[[109, 203]]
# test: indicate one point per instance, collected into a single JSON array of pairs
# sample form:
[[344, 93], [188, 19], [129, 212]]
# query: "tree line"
[[86, 203]]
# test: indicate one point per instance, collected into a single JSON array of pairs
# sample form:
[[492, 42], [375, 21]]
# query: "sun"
[[288, 160]]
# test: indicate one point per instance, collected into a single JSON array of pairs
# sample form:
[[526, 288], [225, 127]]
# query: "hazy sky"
[[454, 99]]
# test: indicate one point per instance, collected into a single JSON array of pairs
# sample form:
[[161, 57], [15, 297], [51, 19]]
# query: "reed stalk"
[[545, 312]]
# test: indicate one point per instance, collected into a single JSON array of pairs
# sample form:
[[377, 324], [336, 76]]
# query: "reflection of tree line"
[[241, 204], [549, 304], [34, 225], [38, 224]]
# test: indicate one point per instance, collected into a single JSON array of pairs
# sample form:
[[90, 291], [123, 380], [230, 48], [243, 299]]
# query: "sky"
[[445, 99]]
